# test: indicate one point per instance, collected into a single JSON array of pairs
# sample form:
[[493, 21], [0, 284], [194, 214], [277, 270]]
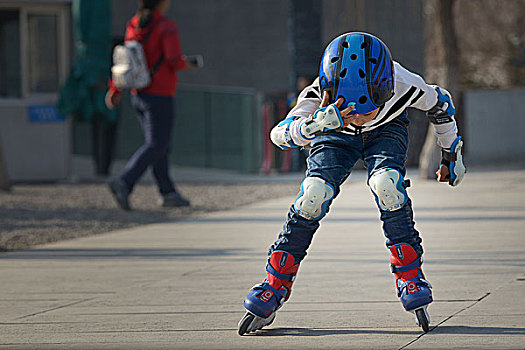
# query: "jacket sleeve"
[[425, 100], [171, 48], [307, 103]]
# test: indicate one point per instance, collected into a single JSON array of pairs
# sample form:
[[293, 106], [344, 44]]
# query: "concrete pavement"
[[181, 285]]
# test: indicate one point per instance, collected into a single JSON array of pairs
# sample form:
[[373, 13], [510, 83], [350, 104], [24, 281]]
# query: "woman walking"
[[155, 103]]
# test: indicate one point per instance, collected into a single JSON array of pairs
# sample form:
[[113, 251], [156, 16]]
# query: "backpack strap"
[[151, 27], [145, 39]]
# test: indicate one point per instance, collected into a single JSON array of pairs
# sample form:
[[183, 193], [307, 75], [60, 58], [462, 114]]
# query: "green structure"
[[214, 128], [83, 94]]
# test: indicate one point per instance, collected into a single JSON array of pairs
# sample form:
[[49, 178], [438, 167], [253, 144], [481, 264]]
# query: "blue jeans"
[[156, 114], [332, 158]]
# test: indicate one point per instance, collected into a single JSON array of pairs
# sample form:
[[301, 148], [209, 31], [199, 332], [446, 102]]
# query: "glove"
[[444, 109], [452, 159], [323, 120]]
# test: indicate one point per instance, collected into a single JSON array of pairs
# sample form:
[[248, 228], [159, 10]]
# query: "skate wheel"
[[245, 323], [422, 319]]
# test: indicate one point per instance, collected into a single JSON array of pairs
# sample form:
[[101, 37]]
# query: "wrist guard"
[[453, 159], [323, 120]]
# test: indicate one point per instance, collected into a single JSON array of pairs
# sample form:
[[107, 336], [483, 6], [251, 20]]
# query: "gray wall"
[[244, 43], [494, 124], [398, 23], [34, 150], [248, 43]]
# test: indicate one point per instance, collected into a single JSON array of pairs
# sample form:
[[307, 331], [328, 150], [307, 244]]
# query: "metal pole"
[[4, 179]]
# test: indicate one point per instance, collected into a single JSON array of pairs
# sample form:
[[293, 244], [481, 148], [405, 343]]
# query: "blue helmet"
[[359, 68]]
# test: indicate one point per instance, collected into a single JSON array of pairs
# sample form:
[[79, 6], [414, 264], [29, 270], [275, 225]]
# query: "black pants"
[[104, 140], [156, 114]]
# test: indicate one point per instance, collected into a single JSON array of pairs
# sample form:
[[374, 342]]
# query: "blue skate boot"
[[267, 297], [412, 288]]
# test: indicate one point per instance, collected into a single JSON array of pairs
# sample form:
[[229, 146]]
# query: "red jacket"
[[164, 39]]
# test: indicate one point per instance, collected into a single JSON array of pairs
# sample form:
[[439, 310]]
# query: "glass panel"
[[42, 59], [10, 74]]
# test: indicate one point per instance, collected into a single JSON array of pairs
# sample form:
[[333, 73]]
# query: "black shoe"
[[120, 193], [174, 199]]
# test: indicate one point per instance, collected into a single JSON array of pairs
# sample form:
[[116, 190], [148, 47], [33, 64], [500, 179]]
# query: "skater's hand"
[[452, 169], [360, 119], [346, 114], [443, 173]]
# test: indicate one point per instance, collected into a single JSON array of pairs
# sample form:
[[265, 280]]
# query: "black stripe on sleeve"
[[350, 129], [421, 93], [311, 94], [400, 104]]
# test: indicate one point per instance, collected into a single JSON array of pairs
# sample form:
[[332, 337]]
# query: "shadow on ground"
[[83, 254], [319, 332]]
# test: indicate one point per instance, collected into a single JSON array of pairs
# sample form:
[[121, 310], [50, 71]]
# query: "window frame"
[[62, 11]]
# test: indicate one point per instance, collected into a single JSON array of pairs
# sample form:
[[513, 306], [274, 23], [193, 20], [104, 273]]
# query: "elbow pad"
[[280, 134], [443, 112]]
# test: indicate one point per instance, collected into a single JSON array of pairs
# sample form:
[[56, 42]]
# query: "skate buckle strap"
[[413, 265], [417, 280], [275, 293], [281, 276], [448, 155], [265, 286]]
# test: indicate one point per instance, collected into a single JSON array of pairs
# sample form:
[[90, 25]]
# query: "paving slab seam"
[[445, 320], [154, 331], [55, 308], [191, 272]]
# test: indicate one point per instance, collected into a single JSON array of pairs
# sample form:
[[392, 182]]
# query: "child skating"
[[357, 109]]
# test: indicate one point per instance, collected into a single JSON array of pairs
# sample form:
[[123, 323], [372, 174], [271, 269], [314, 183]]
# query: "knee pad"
[[314, 197], [389, 189]]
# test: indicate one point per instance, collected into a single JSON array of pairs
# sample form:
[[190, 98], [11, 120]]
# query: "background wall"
[[265, 45], [244, 43], [247, 43], [494, 124], [400, 25]]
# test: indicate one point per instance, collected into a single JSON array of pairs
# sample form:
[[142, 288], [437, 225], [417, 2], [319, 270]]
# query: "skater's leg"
[[385, 155], [268, 296], [329, 164]]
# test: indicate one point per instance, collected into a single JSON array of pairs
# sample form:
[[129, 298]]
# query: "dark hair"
[[145, 9]]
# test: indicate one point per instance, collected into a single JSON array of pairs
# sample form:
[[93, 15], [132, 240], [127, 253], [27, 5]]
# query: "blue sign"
[[44, 114]]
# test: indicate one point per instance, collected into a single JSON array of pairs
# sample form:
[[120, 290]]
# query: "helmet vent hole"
[[346, 45], [362, 99], [353, 56], [363, 45], [343, 73], [334, 59], [373, 60], [362, 73]]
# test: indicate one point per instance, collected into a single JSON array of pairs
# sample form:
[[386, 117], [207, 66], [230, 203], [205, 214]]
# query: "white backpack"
[[130, 68]]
